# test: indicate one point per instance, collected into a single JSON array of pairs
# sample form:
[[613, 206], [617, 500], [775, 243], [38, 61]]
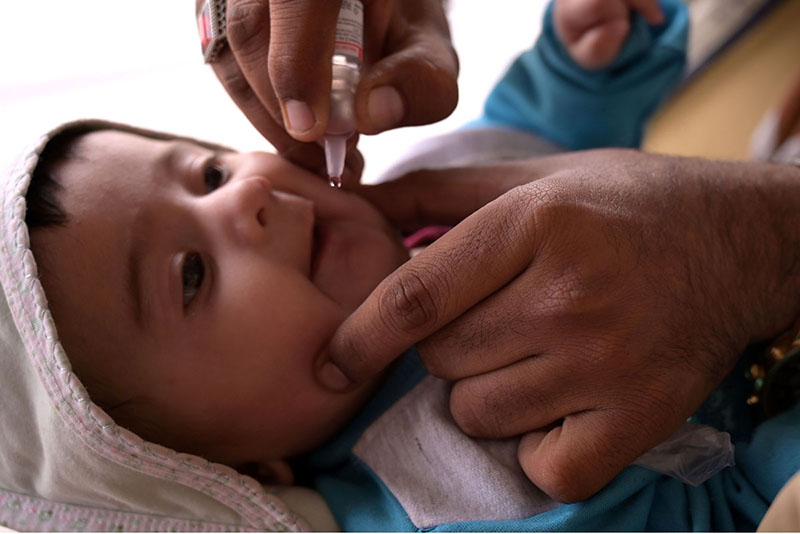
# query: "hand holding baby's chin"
[[594, 31]]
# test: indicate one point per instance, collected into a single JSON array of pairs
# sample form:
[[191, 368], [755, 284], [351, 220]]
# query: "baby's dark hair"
[[44, 208]]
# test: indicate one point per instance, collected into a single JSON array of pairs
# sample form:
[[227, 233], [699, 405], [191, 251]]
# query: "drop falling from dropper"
[[335, 152]]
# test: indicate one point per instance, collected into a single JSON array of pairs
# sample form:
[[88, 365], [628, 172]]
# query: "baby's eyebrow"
[[170, 156]]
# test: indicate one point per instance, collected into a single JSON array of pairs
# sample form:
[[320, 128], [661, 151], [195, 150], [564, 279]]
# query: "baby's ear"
[[276, 472]]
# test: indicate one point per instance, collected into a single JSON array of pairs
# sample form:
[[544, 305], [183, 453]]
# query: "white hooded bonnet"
[[64, 463]]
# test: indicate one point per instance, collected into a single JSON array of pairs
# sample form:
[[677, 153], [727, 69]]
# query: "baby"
[[213, 280]]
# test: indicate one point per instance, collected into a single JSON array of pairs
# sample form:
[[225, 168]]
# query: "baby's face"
[[199, 289]]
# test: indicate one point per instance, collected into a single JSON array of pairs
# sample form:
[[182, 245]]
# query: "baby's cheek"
[[385, 256]]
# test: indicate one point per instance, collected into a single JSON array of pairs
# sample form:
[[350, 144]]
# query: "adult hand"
[[277, 68], [590, 306]]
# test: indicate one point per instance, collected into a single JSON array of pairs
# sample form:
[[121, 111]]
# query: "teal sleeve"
[[545, 92]]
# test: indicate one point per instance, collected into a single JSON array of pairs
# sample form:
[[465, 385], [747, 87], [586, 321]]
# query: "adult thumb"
[[301, 44]]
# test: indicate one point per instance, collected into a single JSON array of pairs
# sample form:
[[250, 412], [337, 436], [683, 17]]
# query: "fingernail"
[[385, 107], [299, 117], [333, 378]]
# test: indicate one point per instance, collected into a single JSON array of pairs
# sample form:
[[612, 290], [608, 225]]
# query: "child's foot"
[[777, 137]]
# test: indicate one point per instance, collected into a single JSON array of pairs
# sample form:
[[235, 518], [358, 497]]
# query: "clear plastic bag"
[[692, 455]]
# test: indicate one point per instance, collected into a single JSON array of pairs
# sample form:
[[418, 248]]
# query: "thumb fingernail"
[[299, 117], [333, 378], [385, 107]]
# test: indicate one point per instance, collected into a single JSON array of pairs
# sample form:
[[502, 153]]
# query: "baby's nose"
[[245, 206]]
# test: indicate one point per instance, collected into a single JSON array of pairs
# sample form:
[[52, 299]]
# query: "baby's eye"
[[214, 175], [192, 273]]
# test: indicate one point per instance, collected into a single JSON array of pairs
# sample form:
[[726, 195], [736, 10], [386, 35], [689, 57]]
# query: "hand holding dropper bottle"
[[346, 72]]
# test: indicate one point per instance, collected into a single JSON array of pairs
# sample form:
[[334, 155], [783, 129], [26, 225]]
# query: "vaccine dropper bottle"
[[346, 69]]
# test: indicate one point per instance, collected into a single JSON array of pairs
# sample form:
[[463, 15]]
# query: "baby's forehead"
[[103, 156], [109, 143], [102, 145]]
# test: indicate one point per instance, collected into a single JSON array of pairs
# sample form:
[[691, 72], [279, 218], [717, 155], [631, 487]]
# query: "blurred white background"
[[140, 62]]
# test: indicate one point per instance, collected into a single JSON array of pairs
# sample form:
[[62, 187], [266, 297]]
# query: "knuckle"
[[580, 265], [532, 207], [570, 295], [413, 301], [510, 219]]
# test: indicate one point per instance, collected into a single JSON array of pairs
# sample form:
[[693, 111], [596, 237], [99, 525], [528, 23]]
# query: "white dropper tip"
[[335, 151]]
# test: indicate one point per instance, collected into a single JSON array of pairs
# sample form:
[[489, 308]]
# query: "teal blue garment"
[[546, 93], [636, 500]]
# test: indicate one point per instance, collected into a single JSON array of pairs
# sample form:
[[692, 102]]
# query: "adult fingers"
[[241, 69], [465, 265], [574, 460], [413, 79], [310, 156], [415, 85], [302, 43], [505, 327], [292, 41], [238, 87], [528, 394], [554, 359]]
